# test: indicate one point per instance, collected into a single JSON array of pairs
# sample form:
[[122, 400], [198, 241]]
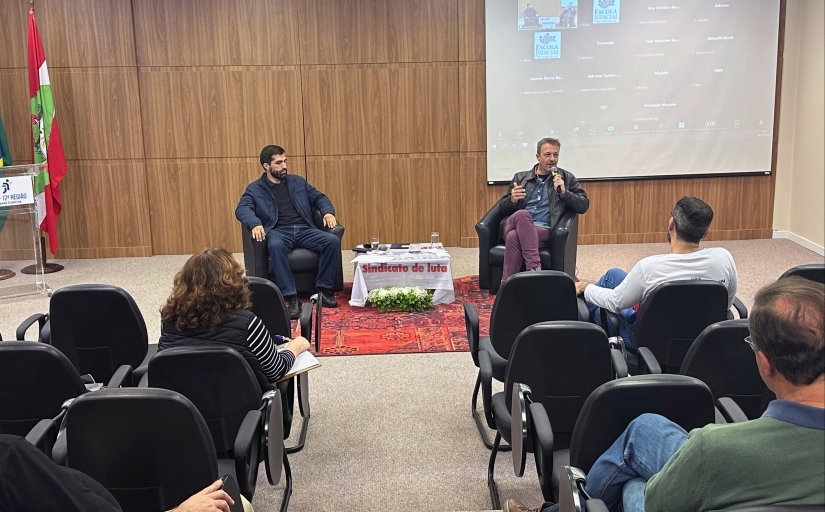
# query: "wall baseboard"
[[804, 242]]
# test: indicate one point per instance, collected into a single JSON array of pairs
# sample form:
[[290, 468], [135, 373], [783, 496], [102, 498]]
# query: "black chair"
[[220, 383], [721, 359], [268, 305], [98, 327], [783, 508], [302, 263], [605, 415], [35, 381], [150, 448], [561, 363], [525, 299], [559, 255], [670, 318], [812, 272]]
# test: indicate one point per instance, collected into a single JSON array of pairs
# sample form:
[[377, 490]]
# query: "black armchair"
[[222, 386], [558, 363], [268, 305], [98, 327], [302, 263], [605, 415], [721, 359], [559, 255], [150, 448], [524, 300]]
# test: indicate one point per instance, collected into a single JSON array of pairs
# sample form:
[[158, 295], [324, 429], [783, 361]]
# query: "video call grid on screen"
[[632, 89]]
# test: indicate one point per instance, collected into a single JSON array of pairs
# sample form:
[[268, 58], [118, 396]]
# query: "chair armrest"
[[610, 323], [144, 381], [273, 438], [318, 219], [488, 236], [40, 318], [42, 432], [740, 308], [596, 506], [121, 375], [243, 448], [563, 243], [541, 432], [486, 374], [648, 362], [305, 320], [471, 324], [619, 363], [255, 254], [731, 410]]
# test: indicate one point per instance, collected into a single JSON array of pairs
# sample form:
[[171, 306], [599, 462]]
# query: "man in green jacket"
[[778, 459]]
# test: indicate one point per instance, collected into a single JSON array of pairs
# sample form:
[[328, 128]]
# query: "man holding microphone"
[[534, 203]]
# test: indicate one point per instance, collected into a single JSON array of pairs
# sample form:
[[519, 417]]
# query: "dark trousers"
[[32, 482], [281, 241]]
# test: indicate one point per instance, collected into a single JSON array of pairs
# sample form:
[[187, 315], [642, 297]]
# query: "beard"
[[278, 175]]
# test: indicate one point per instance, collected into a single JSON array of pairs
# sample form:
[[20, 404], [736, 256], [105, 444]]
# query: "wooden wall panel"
[[472, 89], [193, 201], [400, 198], [471, 30], [98, 110], [105, 210], [366, 31], [216, 32], [16, 242], [13, 33], [381, 109], [220, 112], [476, 196], [16, 113]]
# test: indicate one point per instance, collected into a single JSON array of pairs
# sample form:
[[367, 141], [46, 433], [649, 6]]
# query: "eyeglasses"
[[749, 341]]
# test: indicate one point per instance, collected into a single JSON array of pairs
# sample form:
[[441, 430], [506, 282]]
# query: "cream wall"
[[799, 206]]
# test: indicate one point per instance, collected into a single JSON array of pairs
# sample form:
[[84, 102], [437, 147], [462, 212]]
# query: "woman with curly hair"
[[209, 305]]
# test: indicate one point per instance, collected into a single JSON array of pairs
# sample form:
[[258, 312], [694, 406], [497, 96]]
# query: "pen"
[[282, 338]]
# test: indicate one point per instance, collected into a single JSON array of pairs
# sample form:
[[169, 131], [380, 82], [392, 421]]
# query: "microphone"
[[553, 174]]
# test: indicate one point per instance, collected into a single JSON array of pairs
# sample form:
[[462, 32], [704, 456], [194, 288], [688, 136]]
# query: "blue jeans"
[[280, 242], [611, 279], [620, 474]]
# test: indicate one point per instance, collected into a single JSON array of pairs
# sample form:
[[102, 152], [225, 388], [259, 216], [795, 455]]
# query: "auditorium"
[[408, 255]]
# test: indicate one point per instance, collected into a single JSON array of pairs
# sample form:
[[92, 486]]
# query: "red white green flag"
[[46, 145]]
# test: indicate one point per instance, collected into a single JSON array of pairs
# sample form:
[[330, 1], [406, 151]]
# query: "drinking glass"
[[374, 244], [434, 239]]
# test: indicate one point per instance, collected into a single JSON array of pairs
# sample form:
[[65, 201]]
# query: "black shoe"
[[294, 307], [327, 298]]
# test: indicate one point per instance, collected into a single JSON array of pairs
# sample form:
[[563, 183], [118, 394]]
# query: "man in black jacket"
[[535, 202]]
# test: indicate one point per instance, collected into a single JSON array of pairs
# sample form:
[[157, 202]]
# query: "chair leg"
[[288, 488], [482, 428], [303, 406], [491, 482]]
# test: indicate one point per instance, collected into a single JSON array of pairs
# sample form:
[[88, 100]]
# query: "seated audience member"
[[534, 203], [622, 292], [208, 305], [778, 459], [31, 482], [277, 208]]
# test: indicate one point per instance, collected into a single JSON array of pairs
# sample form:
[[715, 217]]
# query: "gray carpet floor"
[[392, 432]]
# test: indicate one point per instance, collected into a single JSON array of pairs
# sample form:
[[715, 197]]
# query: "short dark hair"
[[269, 151], [787, 324], [692, 217], [547, 140]]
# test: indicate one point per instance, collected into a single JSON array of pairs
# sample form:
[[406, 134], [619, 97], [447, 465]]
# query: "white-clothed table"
[[428, 269]]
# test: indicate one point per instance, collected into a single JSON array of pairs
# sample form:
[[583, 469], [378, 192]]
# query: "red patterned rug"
[[348, 330]]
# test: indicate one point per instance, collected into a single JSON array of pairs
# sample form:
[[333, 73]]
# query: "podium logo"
[[547, 45], [606, 11], [6, 186]]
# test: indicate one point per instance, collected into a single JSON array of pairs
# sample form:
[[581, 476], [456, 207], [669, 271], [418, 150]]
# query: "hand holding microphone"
[[558, 182]]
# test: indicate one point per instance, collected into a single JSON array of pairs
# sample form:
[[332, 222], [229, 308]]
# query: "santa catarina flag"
[[46, 145]]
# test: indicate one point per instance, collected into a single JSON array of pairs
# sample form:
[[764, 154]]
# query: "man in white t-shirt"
[[622, 292]]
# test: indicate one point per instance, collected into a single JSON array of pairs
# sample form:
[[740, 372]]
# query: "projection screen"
[[632, 89]]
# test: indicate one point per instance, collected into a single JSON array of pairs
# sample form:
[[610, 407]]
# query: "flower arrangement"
[[400, 298]]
